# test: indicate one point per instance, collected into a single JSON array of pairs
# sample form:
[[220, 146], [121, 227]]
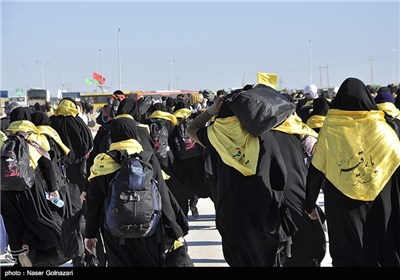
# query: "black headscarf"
[[353, 95], [180, 105], [129, 106], [397, 100], [320, 106], [170, 102], [225, 111], [158, 107], [123, 129], [40, 118], [20, 114]]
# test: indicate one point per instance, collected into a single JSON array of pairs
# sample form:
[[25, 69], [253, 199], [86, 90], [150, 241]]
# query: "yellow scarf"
[[237, 148], [66, 108], [183, 113], [358, 152], [104, 164], [164, 115], [33, 135], [294, 125], [390, 109], [3, 138], [315, 121], [48, 130]]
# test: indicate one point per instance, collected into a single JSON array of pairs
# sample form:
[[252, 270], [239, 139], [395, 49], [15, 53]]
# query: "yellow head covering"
[[48, 130], [183, 113], [164, 115], [237, 148], [33, 135], [316, 121], [294, 125], [66, 108], [3, 138], [104, 164], [358, 152], [390, 109]]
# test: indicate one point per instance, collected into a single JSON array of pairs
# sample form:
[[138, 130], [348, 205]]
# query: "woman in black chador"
[[145, 251], [358, 156]]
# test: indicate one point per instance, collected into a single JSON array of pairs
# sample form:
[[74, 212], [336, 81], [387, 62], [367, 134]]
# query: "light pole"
[[119, 60], [41, 70], [172, 76], [101, 69], [310, 60], [371, 61], [394, 66]]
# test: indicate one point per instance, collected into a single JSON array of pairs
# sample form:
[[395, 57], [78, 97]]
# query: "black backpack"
[[133, 205], [159, 135], [185, 146], [16, 173], [58, 164]]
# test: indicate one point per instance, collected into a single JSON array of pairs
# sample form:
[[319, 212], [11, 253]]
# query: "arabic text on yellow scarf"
[[358, 152], [237, 148]]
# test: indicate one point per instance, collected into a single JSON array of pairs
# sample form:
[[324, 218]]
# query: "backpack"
[[16, 173], [58, 164], [133, 205], [159, 135], [71, 241], [185, 146]]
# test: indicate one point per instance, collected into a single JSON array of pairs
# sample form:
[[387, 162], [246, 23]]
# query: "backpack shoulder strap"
[[146, 156]]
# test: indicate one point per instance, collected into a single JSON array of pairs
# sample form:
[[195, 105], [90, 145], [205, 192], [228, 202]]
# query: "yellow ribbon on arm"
[[33, 135], [104, 164], [164, 115], [390, 109], [66, 108], [183, 113], [294, 125], [316, 121], [48, 130], [237, 148], [358, 152]]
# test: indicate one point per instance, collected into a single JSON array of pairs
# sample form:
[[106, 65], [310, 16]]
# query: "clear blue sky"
[[213, 45]]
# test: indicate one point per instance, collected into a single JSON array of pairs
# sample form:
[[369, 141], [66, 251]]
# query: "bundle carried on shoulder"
[[259, 108]]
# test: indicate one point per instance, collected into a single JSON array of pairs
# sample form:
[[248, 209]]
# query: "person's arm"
[[201, 120], [315, 179]]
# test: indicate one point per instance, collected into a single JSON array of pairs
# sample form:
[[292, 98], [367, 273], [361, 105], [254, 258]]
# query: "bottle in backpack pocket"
[[55, 200]]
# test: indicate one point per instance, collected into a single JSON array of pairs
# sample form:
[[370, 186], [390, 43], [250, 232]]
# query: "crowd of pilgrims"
[[266, 211]]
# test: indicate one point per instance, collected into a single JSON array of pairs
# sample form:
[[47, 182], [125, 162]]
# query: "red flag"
[[99, 78]]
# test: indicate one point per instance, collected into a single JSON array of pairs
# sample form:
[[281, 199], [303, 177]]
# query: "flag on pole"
[[269, 79], [99, 78], [88, 81]]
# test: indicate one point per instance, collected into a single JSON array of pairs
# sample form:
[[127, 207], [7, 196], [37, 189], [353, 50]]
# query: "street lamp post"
[[101, 69], [310, 61], [119, 60], [371, 60], [394, 66], [41, 70]]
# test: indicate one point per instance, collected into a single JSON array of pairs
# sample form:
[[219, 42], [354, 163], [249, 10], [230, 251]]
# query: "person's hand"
[[54, 194], [309, 145], [216, 106], [83, 196], [313, 215], [90, 244]]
